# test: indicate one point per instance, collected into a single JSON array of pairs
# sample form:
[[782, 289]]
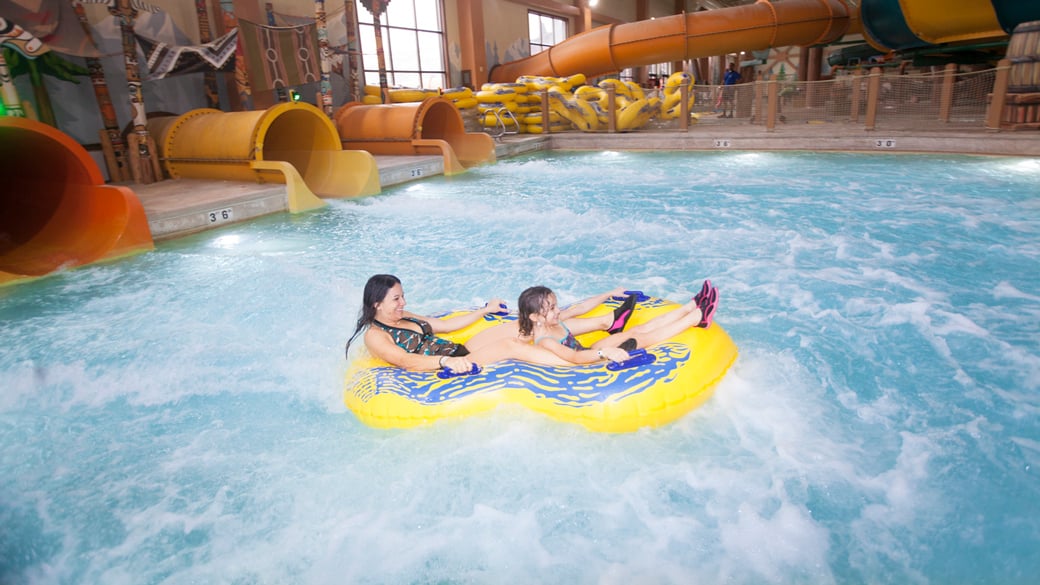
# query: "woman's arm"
[[582, 307], [383, 347]]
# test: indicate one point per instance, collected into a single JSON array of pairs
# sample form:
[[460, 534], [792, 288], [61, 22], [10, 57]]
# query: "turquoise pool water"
[[177, 418]]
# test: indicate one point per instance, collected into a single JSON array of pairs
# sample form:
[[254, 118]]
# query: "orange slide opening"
[[293, 143], [432, 126], [55, 210]]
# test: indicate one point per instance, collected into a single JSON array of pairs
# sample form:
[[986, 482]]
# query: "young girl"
[[539, 323], [610, 322]]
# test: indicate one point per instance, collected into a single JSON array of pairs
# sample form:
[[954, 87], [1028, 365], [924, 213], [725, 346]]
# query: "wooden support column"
[[703, 70], [471, 41], [946, 97], [812, 96], [678, 7], [642, 13], [996, 103], [771, 104], [758, 116], [546, 113], [854, 97], [684, 107], [219, 29], [873, 93], [584, 21]]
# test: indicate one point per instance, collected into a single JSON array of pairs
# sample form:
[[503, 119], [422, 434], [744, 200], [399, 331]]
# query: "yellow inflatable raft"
[[660, 385]]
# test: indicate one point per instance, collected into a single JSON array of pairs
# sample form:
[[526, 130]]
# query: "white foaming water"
[[177, 417]]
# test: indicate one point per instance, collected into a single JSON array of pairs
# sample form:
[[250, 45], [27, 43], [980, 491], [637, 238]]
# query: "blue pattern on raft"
[[568, 386]]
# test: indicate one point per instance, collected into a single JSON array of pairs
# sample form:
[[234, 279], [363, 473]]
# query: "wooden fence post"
[[999, 95], [873, 92]]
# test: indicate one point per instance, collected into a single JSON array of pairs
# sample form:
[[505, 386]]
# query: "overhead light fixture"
[[593, 3]]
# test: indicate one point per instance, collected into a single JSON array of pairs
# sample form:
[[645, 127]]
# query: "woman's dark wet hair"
[[375, 291], [531, 302]]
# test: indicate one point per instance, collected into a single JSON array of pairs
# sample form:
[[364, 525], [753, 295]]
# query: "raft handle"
[[638, 357], [642, 298], [446, 373], [502, 313]]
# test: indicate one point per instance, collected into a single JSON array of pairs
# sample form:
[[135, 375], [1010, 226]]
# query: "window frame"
[[545, 16], [390, 31]]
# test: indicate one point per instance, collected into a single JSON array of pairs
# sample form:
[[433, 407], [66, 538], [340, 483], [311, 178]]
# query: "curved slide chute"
[[55, 210], [431, 126], [293, 143], [886, 24], [903, 25], [611, 48]]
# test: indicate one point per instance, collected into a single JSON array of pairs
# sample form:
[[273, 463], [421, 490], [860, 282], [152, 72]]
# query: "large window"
[[413, 43], [545, 30]]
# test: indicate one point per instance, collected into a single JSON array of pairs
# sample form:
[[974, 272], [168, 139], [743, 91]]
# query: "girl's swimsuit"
[[425, 343], [566, 341]]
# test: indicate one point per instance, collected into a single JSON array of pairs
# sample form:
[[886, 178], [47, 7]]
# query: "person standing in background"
[[731, 78]]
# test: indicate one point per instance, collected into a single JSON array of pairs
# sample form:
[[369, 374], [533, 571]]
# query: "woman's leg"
[[514, 349], [493, 335]]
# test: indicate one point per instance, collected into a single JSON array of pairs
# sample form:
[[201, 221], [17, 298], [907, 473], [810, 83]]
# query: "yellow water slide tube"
[[940, 21], [914, 24], [432, 126], [758, 26], [293, 143], [55, 209]]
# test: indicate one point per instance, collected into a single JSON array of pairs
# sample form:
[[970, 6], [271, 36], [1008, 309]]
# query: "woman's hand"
[[457, 364], [494, 306]]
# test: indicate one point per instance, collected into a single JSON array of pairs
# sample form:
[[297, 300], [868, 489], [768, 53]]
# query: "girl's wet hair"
[[375, 291], [531, 302]]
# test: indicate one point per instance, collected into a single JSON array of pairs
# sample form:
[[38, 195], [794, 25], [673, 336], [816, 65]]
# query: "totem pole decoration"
[[28, 55], [279, 92], [112, 144], [25, 43], [377, 7], [12, 105], [141, 163], [325, 91], [205, 35], [354, 89]]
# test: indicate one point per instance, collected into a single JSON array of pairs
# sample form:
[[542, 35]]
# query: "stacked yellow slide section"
[[572, 104]]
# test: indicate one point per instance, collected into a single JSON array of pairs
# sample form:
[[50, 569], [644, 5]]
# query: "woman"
[[540, 324], [408, 341]]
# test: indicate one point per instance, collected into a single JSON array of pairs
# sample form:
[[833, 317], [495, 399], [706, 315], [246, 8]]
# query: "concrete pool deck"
[[177, 208]]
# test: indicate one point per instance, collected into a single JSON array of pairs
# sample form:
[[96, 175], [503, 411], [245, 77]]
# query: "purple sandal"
[[623, 313], [705, 289], [708, 306]]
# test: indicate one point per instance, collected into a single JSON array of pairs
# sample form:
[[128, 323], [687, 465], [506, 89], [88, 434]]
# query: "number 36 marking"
[[220, 215]]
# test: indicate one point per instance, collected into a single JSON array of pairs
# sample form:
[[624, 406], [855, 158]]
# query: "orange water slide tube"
[[432, 126], [55, 210], [293, 143], [765, 24]]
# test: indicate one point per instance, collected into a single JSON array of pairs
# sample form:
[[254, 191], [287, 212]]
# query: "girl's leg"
[[657, 329]]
